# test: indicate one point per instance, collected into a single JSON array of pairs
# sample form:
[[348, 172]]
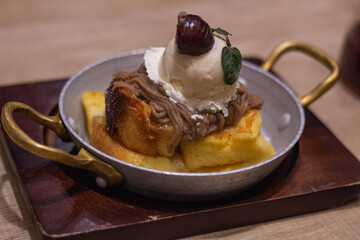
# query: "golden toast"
[[130, 123], [101, 140], [243, 143], [231, 149], [94, 105]]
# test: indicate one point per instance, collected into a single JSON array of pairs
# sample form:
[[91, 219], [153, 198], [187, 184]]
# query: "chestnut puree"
[[193, 37]]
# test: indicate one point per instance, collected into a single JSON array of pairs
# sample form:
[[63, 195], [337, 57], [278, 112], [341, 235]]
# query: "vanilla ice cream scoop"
[[196, 81]]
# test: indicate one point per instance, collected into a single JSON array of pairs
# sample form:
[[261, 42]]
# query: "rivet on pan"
[[101, 182], [73, 124], [284, 121]]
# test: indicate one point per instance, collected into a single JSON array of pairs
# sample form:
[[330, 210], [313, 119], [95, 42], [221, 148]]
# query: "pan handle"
[[316, 53], [83, 159]]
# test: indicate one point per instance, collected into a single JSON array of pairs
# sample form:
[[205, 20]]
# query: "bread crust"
[[129, 121]]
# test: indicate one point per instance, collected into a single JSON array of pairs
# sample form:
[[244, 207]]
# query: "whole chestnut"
[[193, 35]]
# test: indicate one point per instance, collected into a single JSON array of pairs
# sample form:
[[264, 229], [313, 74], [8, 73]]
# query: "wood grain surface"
[[42, 40]]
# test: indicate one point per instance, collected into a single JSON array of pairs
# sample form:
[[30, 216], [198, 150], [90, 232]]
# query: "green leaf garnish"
[[231, 61], [220, 31]]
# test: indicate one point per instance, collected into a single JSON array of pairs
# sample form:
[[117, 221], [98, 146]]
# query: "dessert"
[[183, 107]]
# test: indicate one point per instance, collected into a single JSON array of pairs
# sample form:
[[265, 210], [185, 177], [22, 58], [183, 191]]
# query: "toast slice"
[[242, 145], [231, 149]]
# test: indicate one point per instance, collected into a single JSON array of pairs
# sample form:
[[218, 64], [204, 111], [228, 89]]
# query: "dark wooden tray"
[[319, 173]]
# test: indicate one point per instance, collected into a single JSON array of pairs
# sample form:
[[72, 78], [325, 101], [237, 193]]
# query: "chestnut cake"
[[166, 119]]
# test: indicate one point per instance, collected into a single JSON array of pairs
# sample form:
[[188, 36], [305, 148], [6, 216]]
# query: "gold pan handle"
[[317, 54], [83, 159]]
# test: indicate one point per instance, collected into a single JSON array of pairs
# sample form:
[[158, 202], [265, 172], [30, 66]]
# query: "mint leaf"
[[231, 61], [220, 31]]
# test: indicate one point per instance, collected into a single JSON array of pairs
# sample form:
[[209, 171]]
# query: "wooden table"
[[42, 40]]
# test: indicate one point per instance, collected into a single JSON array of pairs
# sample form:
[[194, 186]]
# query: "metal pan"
[[283, 124]]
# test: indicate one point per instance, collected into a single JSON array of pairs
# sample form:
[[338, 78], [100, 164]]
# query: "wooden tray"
[[319, 173]]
